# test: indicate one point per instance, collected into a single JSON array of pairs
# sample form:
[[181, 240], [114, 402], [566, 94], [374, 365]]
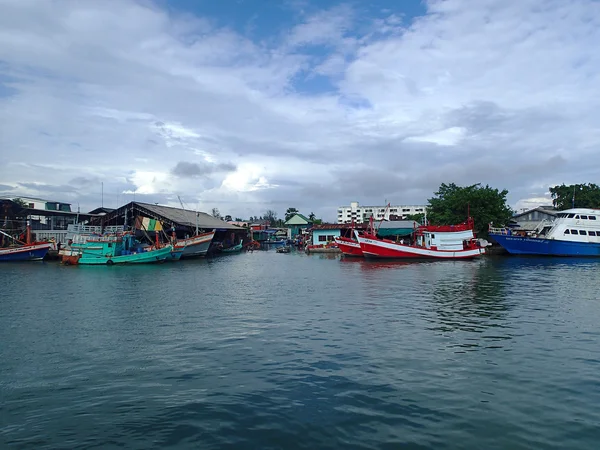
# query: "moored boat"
[[574, 232], [348, 247], [195, 246], [116, 249], [23, 251], [429, 242]]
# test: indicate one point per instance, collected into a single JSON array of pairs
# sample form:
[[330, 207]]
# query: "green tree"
[[312, 217], [289, 213], [271, 216], [452, 203], [575, 196], [20, 202], [416, 217]]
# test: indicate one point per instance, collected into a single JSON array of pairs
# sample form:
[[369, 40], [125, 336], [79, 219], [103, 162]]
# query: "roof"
[[304, 219], [25, 197], [398, 224], [542, 209], [188, 218], [101, 210], [337, 226]]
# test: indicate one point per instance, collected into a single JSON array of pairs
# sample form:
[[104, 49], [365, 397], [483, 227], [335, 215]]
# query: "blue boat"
[[20, 251], [574, 232]]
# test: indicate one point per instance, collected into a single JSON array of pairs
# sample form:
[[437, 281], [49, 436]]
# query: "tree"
[[416, 217], [271, 216], [290, 213], [312, 217], [485, 204], [575, 196], [227, 218], [216, 213], [20, 202], [237, 219]]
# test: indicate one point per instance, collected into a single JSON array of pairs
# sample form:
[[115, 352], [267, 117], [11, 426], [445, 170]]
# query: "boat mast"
[[197, 213]]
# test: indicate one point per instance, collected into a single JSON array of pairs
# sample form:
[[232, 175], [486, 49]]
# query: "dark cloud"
[[85, 181], [186, 169]]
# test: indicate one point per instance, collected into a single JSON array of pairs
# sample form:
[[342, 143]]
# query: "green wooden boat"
[[118, 249]]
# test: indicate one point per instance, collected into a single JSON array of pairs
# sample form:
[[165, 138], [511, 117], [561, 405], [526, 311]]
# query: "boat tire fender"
[[110, 262]]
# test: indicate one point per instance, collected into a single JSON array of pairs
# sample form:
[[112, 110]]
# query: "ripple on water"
[[290, 351]]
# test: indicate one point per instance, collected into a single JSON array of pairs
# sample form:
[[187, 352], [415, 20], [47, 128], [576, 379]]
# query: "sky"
[[248, 105]]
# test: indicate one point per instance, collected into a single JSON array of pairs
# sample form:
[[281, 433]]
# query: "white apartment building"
[[360, 214]]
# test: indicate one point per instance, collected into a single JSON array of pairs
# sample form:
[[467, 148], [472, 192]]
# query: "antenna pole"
[[102, 195]]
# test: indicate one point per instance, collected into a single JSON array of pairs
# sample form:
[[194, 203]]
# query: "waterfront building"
[[361, 214], [297, 223]]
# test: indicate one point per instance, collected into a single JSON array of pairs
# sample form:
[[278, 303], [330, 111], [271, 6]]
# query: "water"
[[269, 350]]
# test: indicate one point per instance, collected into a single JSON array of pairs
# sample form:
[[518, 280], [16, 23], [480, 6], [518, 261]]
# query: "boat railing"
[[503, 230], [76, 228]]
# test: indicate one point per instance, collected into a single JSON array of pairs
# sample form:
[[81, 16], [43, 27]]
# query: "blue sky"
[[255, 105]]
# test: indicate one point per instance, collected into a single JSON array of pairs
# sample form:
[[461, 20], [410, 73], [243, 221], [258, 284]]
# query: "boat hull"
[[375, 248], [148, 257], [33, 252], [520, 245], [195, 246], [349, 247]]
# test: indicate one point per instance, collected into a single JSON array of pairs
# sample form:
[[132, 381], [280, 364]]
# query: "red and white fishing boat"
[[430, 242], [349, 247]]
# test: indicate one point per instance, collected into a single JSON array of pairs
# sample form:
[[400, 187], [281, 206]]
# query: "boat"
[[275, 243], [428, 242], [235, 248], [348, 247], [195, 246], [574, 232], [286, 249], [24, 251], [115, 249]]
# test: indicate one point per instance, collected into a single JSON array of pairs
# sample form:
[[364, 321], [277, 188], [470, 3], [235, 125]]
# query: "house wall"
[[295, 229], [320, 236]]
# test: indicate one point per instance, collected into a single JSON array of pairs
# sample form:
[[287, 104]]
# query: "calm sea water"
[[291, 351]]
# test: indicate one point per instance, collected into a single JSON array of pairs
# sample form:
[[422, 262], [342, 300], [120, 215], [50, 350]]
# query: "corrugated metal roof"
[[188, 218], [398, 224]]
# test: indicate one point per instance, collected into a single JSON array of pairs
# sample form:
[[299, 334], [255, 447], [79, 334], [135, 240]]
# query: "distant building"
[[297, 223], [360, 214]]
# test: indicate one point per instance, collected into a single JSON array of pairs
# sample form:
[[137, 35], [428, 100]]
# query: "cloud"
[[327, 106], [193, 170]]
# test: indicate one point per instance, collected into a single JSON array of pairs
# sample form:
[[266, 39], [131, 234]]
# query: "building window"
[[322, 238], [330, 238]]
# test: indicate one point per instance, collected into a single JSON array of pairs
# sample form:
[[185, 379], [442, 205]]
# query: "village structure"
[[56, 222]]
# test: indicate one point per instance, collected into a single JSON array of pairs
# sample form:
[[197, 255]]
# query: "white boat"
[[574, 232]]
